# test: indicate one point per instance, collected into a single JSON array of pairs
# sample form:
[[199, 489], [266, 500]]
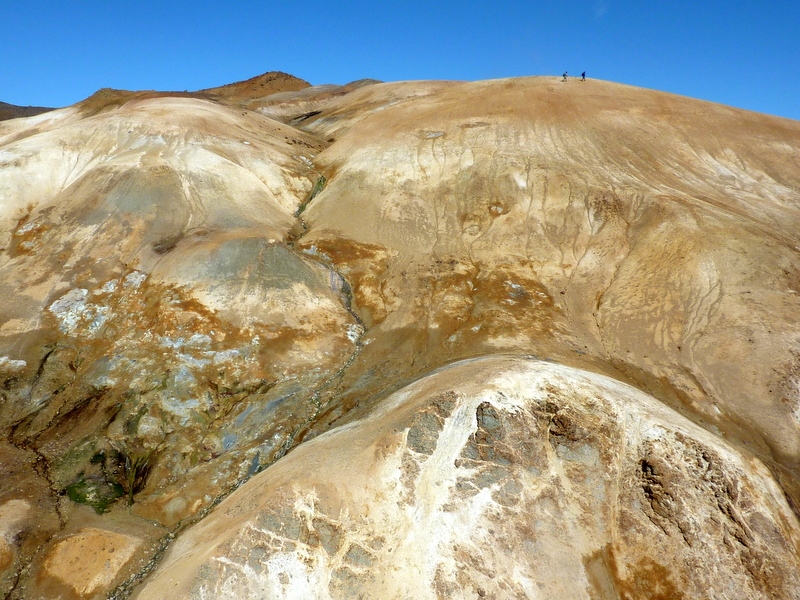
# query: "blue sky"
[[743, 54]]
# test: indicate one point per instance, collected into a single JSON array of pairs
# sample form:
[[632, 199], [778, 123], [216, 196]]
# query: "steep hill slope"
[[534, 326]]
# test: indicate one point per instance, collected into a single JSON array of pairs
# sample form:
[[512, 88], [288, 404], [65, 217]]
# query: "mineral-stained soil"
[[507, 339], [500, 478]]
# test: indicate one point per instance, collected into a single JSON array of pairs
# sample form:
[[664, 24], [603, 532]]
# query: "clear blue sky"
[[741, 53]]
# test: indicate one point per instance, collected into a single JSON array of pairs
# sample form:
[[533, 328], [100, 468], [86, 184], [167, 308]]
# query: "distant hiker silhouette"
[[583, 76], [565, 76]]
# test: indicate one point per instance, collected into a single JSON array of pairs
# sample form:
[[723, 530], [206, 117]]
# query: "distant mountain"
[[12, 111], [258, 87], [241, 92]]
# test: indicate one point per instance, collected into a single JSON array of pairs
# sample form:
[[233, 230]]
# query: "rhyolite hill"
[[519, 338]]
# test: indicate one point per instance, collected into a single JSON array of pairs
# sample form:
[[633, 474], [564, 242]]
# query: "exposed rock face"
[[199, 282], [499, 479]]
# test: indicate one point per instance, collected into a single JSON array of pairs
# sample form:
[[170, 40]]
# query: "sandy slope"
[[660, 229]]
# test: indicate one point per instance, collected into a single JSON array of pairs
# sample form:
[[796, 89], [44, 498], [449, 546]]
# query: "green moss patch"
[[95, 492]]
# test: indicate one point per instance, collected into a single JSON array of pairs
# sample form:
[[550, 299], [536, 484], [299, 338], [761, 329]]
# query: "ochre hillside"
[[518, 338], [258, 87]]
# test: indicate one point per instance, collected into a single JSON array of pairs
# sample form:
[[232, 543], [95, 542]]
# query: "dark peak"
[[259, 86], [12, 111], [108, 98]]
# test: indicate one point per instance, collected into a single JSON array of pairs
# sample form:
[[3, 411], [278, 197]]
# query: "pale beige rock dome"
[[516, 338]]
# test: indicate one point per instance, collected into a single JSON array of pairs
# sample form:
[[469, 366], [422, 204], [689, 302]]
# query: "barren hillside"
[[511, 339]]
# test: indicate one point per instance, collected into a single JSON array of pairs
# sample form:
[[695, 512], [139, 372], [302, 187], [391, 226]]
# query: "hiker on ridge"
[[583, 76], [565, 76]]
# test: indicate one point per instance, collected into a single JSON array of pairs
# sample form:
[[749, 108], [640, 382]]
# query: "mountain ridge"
[[12, 111]]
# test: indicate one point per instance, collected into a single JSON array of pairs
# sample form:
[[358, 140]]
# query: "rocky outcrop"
[[159, 318], [368, 278]]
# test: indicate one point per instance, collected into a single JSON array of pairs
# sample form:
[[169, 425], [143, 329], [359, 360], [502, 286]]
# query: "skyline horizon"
[[311, 84], [739, 55]]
